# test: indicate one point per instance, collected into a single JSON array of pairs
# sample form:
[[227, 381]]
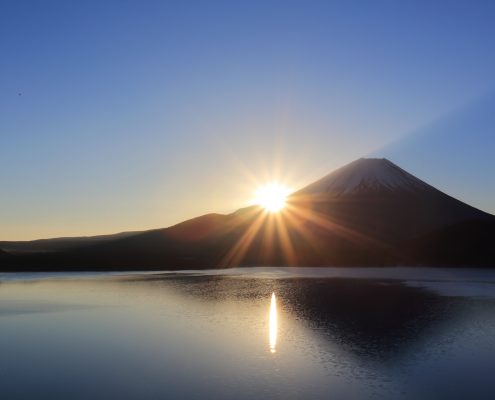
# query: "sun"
[[272, 197]]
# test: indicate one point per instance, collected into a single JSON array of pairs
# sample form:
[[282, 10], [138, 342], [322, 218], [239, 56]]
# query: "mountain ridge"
[[368, 212]]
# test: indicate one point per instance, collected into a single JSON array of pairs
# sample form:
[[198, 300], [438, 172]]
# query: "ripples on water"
[[243, 337]]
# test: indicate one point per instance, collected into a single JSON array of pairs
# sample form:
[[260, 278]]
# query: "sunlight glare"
[[272, 197]]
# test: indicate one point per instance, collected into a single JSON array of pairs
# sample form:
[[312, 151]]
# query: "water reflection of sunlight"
[[273, 324]]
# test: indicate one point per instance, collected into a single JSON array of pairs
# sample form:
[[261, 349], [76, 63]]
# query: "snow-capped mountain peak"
[[366, 174]]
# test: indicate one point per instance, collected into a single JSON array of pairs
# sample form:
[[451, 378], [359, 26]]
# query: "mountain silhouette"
[[57, 244], [378, 198], [369, 212]]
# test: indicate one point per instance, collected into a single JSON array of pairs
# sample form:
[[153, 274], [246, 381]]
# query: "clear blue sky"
[[138, 114]]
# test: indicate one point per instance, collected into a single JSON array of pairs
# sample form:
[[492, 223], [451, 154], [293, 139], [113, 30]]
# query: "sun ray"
[[321, 220], [297, 224], [238, 251], [268, 237], [284, 240]]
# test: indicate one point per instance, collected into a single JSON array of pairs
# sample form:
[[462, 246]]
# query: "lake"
[[286, 333]]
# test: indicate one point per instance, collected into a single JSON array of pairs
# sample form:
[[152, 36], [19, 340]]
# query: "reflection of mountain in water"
[[375, 320]]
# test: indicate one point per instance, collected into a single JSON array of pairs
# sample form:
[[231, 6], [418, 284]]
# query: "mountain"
[[366, 175], [378, 198], [58, 244], [369, 212]]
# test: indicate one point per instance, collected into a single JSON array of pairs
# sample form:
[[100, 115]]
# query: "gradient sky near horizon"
[[127, 115]]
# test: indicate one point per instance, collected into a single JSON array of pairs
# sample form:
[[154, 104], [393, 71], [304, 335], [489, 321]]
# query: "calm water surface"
[[243, 334]]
